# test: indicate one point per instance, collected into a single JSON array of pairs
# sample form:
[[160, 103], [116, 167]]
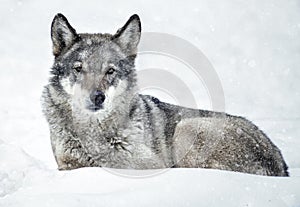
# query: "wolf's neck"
[[121, 115], [118, 117]]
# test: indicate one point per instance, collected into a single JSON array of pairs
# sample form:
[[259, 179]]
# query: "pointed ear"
[[63, 35], [128, 36]]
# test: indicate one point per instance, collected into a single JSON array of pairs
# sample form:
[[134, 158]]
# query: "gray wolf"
[[97, 118]]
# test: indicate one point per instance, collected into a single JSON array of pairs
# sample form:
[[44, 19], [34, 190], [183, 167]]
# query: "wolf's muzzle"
[[97, 97]]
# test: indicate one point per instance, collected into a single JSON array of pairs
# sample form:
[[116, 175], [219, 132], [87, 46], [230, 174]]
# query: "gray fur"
[[134, 131]]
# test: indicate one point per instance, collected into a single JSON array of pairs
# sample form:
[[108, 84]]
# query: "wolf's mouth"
[[94, 108]]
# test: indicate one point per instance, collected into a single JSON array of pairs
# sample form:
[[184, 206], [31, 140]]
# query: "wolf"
[[97, 118]]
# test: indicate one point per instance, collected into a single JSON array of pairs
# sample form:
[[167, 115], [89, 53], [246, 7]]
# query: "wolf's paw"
[[75, 153]]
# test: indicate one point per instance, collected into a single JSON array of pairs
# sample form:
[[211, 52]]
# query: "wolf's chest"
[[96, 138]]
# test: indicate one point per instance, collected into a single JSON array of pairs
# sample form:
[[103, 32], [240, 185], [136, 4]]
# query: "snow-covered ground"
[[254, 47]]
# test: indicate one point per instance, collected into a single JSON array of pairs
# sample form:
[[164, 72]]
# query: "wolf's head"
[[95, 71]]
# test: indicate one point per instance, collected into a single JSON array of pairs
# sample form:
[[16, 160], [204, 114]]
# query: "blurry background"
[[254, 47]]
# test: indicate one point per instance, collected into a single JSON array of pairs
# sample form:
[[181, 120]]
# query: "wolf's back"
[[221, 141]]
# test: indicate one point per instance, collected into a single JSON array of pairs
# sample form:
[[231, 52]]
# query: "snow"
[[29, 183], [254, 48]]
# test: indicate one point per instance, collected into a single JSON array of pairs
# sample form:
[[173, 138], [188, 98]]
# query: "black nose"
[[97, 97]]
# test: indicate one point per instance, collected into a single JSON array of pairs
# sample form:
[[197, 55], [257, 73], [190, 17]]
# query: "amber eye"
[[110, 71], [77, 66]]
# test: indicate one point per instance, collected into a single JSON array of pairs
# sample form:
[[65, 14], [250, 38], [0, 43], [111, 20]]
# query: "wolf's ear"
[[63, 35], [128, 36]]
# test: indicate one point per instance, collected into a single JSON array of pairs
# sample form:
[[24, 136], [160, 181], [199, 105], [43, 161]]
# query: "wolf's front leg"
[[69, 153]]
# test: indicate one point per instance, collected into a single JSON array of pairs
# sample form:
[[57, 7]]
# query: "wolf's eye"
[[77, 66], [110, 71]]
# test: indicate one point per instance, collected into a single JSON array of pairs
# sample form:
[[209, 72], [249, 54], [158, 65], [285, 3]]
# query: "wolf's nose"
[[97, 97]]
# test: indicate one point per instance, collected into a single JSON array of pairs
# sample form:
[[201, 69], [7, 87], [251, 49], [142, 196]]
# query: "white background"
[[254, 47]]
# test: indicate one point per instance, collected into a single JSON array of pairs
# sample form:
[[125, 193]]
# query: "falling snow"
[[254, 47]]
